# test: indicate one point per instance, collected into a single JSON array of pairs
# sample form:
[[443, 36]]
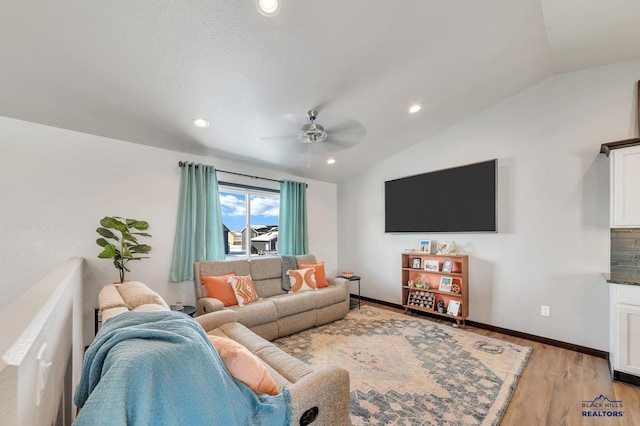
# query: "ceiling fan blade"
[[279, 138], [344, 144], [346, 126]]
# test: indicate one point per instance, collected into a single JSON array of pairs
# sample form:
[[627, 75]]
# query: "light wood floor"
[[554, 383]]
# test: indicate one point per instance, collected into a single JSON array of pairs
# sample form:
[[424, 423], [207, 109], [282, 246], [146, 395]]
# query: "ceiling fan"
[[340, 133], [312, 132]]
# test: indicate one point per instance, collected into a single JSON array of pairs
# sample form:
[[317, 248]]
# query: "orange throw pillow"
[[243, 289], [321, 278], [302, 279], [218, 287], [243, 365]]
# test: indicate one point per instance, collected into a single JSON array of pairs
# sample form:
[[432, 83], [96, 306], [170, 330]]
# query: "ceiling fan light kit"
[[312, 133]]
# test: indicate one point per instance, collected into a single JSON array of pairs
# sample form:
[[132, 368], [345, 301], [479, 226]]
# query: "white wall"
[[56, 184], [553, 239]]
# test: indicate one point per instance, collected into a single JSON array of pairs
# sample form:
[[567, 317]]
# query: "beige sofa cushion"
[[266, 272], [135, 293], [290, 304], [330, 295], [109, 297], [261, 312], [217, 268], [150, 307], [112, 312]]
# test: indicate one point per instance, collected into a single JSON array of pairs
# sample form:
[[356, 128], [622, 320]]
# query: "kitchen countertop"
[[621, 279]]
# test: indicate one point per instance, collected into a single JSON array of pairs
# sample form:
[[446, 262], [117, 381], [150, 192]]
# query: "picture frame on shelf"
[[428, 246], [431, 265], [416, 263], [447, 266], [445, 284], [441, 248], [453, 308]]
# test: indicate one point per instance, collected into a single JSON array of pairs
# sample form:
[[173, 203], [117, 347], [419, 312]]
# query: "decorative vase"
[[453, 249]]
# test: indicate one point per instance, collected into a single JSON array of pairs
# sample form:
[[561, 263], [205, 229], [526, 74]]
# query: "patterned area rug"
[[406, 370]]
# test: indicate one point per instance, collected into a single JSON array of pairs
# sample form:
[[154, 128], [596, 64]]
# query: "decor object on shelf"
[[431, 265], [441, 308], [453, 308], [455, 288], [428, 246], [424, 299], [126, 246], [420, 283], [453, 249], [445, 284], [442, 248], [410, 283], [447, 266], [416, 262]]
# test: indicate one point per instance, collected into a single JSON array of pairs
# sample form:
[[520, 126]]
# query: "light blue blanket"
[[159, 368]]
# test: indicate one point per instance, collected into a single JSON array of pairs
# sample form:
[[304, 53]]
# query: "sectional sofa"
[[317, 396], [278, 312]]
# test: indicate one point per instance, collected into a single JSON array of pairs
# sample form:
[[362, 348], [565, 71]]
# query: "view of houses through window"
[[250, 221]]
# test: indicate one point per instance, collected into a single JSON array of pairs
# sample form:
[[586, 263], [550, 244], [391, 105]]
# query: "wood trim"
[[557, 343], [626, 378], [552, 342], [606, 148]]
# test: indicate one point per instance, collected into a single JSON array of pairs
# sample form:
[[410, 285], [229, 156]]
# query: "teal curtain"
[[292, 228], [199, 232]]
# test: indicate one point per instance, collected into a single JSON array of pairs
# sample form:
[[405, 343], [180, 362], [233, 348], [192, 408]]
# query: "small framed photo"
[[416, 263], [442, 248], [447, 266], [453, 308], [428, 246], [445, 284], [431, 265]]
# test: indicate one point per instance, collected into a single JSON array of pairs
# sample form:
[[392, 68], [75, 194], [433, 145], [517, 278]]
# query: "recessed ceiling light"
[[268, 7], [331, 161], [415, 108], [201, 122]]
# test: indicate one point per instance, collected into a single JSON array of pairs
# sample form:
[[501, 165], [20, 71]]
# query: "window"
[[250, 220]]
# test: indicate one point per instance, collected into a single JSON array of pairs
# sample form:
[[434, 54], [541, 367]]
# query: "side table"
[[97, 320], [189, 310], [353, 278]]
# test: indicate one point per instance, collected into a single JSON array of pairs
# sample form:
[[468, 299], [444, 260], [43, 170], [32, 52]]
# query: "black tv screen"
[[460, 199]]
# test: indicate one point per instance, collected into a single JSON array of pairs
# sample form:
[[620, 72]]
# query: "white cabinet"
[[625, 187], [625, 328]]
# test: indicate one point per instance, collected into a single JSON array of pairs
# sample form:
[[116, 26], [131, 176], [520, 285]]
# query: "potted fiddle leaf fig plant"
[[119, 241]]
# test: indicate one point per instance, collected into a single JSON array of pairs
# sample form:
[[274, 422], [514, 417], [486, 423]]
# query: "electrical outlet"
[[545, 311]]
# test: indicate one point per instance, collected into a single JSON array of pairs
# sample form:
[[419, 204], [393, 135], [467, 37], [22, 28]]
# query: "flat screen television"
[[459, 199]]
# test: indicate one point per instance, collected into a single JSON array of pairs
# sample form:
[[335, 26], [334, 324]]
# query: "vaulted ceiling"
[[142, 70]]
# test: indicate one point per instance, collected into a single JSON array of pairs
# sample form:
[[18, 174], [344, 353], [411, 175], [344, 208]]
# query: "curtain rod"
[[182, 164]]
